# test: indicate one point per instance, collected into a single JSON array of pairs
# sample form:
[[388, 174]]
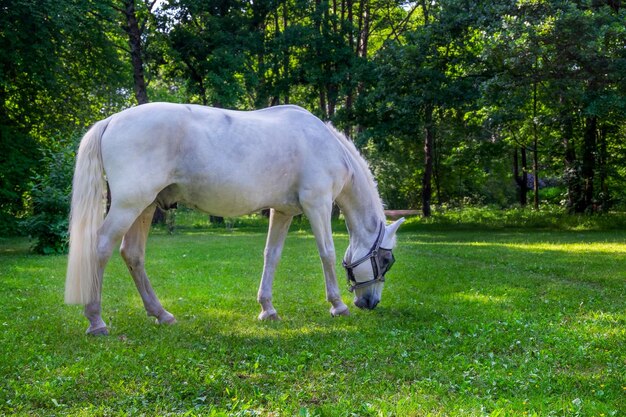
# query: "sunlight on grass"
[[581, 248], [482, 298], [612, 248], [603, 325]]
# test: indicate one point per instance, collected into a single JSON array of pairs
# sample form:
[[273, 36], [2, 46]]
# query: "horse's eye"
[[387, 260]]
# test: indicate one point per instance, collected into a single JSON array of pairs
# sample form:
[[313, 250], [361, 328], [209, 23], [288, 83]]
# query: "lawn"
[[472, 323]]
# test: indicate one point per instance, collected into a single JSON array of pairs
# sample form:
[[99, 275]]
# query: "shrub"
[[19, 155], [550, 217], [50, 201]]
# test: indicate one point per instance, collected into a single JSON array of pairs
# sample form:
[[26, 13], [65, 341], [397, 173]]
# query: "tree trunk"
[[535, 174], [323, 106], [286, 53], [535, 150], [362, 42], [436, 157], [349, 33], [318, 24], [333, 92], [425, 10], [134, 33], [364, 35], [602, 165], [521, 178], [134, 42], [428, 161], [588, 162], [571, 172], [261, 96]]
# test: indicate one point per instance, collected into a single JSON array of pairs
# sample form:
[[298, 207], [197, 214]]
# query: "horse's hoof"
[[265, 315], [166, 318], [100, 331], [340, 311]]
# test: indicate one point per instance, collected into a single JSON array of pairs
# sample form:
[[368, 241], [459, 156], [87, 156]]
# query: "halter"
[[373, 255]]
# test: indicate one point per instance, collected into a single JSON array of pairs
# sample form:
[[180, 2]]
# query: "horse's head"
[[366, 274]]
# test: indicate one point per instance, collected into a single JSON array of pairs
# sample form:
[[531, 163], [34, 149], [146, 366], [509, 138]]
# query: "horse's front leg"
[[133, 251], [279, 226], [319, 215]]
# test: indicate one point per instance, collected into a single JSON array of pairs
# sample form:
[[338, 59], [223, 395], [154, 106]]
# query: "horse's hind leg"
[[133, 251], [115, 225], [279, 226]]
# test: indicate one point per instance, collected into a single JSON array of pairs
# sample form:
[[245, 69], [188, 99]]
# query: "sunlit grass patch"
[[482, 298], [582, 248]]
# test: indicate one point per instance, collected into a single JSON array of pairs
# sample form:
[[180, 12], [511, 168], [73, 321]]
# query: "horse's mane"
[[352, 151]]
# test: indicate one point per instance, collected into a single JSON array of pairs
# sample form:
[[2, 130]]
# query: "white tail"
[[86, 217]]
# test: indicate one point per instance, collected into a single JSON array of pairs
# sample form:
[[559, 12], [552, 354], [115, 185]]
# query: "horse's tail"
[[86, 217]]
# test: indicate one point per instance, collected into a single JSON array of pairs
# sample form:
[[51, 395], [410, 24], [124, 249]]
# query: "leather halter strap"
[[371, 255]]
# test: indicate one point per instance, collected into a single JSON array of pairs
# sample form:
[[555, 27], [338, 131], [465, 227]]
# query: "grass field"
[[472, 323]]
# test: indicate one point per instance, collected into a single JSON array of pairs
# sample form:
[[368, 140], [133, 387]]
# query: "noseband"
[[373, 255]]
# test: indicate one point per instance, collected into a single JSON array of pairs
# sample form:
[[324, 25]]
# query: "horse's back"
[[222, 161]]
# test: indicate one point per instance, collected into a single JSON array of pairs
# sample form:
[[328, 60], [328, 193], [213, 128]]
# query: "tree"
[[58, 73], [134, 26], [556, 75], [593, 59], [440, 95], [208, 47], [421, 77]]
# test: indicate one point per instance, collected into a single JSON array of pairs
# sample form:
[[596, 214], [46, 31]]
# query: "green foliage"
[[50, 202], [483, 79], [472, 323], [59, 71], [546, 91], [207, 49], [550, 217], [18, 158], [57, 56]]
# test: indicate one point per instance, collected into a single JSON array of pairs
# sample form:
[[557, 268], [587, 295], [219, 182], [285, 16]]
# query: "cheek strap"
[[371, 255]]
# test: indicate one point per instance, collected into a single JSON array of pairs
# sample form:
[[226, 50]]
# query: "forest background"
[[455, 103]]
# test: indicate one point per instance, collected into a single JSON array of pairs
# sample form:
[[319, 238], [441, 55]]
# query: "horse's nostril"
[[361, 302], [366, 302]]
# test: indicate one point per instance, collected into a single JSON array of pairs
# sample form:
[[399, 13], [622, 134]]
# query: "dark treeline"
[[501, 102]]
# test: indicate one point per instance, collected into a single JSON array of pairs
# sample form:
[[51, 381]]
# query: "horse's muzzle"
[[366, 302]]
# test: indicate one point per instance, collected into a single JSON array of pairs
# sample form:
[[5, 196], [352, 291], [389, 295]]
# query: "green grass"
[[472, 323]]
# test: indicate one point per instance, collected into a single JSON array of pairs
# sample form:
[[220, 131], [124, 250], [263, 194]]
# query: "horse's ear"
[[390, 234]]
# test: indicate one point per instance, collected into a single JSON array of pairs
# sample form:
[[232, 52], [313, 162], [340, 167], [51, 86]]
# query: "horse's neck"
[[362, 210]]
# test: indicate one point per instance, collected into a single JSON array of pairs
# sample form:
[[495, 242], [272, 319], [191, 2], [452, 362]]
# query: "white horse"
[[226, 163]]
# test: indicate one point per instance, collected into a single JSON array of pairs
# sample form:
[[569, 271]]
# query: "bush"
[[549, 217], [19, 155], [50, 201]]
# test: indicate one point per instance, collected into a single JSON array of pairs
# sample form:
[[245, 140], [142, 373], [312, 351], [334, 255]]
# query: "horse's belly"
[[228, 199]]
